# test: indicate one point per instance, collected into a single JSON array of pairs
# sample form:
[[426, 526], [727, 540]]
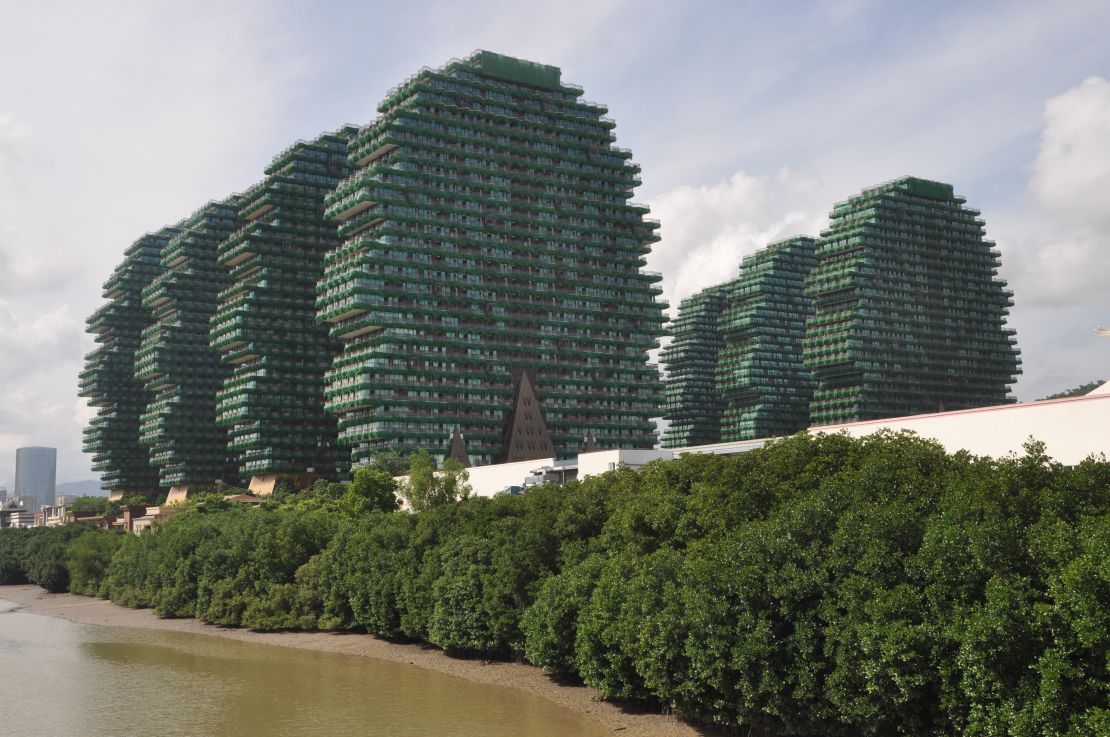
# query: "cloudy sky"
[[749, 119]]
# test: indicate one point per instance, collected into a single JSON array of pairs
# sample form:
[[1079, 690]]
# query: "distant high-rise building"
[[35, 470], [693, 402], [487, 231], [761, 377], [909, 315]]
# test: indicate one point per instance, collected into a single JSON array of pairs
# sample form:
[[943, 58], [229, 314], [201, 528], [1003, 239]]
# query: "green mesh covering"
[[517, 70]]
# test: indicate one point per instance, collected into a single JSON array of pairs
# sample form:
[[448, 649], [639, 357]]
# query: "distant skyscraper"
[[909, 315], [35, 470]]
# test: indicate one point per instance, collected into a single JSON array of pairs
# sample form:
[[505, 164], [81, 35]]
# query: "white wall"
[[1071, 429], [488, 480], [602, 461]]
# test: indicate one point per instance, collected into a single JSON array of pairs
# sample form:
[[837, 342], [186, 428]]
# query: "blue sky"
[[749, 119]]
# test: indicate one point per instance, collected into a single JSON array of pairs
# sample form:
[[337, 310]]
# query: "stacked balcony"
[[693, 402], [487, 229], [108, 380], [763, 381], [179, 371], [909, 316], [265, 328]]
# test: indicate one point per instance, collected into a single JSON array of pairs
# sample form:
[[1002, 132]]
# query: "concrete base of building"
[[115, 495], [264, 484], [180, 492]]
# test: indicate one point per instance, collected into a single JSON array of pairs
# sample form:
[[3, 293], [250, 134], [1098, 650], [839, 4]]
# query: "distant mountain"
[[1078, 391], [81, 488]]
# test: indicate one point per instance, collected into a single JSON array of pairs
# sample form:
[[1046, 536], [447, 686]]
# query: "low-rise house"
[[54, 515], [136, 524]]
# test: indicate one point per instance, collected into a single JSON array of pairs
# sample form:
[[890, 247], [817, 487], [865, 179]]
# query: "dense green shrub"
[[550, 624], [12, 542], [87, 560]]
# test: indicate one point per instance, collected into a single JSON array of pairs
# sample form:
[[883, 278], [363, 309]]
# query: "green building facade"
[[265, 327], [174, 362], [488, 230], [761, 377], [693, 402], [909, 314], [108, 380]]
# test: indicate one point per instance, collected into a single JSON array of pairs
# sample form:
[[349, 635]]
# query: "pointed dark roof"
[[525, 436], [591, 444], [458, 449]]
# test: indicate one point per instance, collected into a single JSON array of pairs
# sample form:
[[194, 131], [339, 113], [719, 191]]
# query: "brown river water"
[[62, 679]]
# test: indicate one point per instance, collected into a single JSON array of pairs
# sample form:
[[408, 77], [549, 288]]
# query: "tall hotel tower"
[[693, 402], [487, 238], [896, 310], [174, 362], [910, 316], [265, 327], [108, 381], [764, 382]]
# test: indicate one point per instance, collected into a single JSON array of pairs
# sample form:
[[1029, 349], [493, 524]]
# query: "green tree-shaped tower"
[[265, 326], [763, 381], [108, 381], [174, 361], [488, 230], [909, 315]]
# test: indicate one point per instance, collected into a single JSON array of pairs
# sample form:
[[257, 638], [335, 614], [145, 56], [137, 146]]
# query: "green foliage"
[[459, 621], [371, 490], [87, 560], [819, 586], [12, 542], [389, 461], [37, 555], [93, 504], [550, 624], [426, 489]]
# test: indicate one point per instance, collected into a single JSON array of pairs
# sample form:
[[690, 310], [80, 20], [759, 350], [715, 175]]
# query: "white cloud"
[[707, 230], [13, 130], [116, 124], [25, 269], [1055, 252], [1071, 174]]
